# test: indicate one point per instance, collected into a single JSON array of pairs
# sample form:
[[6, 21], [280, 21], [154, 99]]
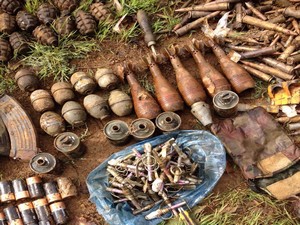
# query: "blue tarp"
[[205, 148]]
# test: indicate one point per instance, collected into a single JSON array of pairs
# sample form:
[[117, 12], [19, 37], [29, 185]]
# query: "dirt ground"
[[98, 148]]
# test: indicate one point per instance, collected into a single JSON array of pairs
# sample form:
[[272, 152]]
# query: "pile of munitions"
[[154, 176], [46, 207]]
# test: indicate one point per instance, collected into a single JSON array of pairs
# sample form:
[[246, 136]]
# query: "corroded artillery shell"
[[27, 80], [46, 13], [19, 43], [106, 79], [74, 113], [99, 11], [8, 23], [26, 21], [85, 22], [66, 5], [52, 123], [83, 83], [64, 25], [10, 6], [45, 35], [62, 92], [96, 106], [5, 50], [41, 100], [120, 103]]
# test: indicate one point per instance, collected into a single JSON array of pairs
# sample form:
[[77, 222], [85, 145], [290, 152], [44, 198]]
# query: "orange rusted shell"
[[85, 22], [26, 21], [99, 11], [10, 6], [66, 5], [46, 13], [45, 35], [19, 43], [5, 50], [65, 25], [27, 80], [8, 23]]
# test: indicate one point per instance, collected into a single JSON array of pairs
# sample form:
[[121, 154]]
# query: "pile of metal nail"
[[155, 176]]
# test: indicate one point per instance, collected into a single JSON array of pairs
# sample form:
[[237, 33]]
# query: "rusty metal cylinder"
[[142, 129], [74, 113], [51, 191], [27, 80], [62, 92], [293, 59], [59, 213], [168, 121], [52, 123], [117, 132], [96, 106], [20, 189], [120, 103], [27, 213], [225, 103], [69, 144], [83, 83], [106, 79], [261, 75], [6, 191], [42, 210], [286, 53], [66, 187], [42, 101], [259, 52], [43, 163], [13, 216], [2, 219], [293, 11], [279, 65], [35, 187], [220, 6]]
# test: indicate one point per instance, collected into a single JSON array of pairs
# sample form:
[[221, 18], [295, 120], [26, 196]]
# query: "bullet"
[[223, 6], [279, 65], [255, 11]]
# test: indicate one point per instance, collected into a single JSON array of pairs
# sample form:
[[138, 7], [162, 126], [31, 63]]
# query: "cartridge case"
[[42, 210], [279, 65], [293, 59], [59, 213], [259, 52], [278, 19], [6, 191], [293, 11], [51, 191], [223, 6], [261, 75], [287, 52], [27, 213], [35, 187], [13, 216], [20, 189]]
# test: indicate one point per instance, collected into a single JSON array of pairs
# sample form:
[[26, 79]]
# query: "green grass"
[[132, 6], [32, 5], [7, 84]]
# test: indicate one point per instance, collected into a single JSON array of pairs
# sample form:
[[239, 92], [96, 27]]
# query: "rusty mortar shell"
[[59, 213], [64, 25], [279, 65], [20, 189], [117, 132], [293, 59], [145, 106], [35, 187], [190, 89], [26, 21], [10, 6], [85, 22], [100, 11], [96, 106], [286, 53], [141, 128], [83, 83], [51, 191], [6, 191], [120, 103], [52, 123], [66, 187], [62, 92], [261, 75], [41, 100], [45, 35], [202, 112], [293, 126], [8, 23], [145, 208], [2, 219], [255, 11], [168, 121], [292, 11], [27, 80], [66, 5], [106, 79], [167, 96], [211, 78], [74, 113], [225, 103], [43, 163], [12, 215], [46, 13], [223, 6], [42, 210], [27, 213], [19, 43], [259, 52], [5, 50], [69, 144]]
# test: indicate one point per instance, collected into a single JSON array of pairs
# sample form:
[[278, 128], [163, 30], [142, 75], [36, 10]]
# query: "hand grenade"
[[10, 6], [19, 43], [46, 13], [5, 50], [66, 5], [45, 35], [64, 25], [26, 21], [86, 23], [99, 11], [8, 23]]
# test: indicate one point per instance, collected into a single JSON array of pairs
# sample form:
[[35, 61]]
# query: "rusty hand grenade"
[[42, 101], [64, 25], [52, 123], [85, 22], [83, 83], [8, 23], [46, 13], [62, 92], [10, 6], [19, 43], [74, 113], [66, 5], [100, 11], [5, 51], [26, 21], [27, 80], [45, 35]]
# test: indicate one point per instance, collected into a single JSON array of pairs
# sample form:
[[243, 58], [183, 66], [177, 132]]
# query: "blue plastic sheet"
[[205, 148]]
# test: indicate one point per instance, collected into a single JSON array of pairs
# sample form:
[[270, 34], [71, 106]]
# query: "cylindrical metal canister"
[[120, 103], [52, 193], [74, 113], [20, 189], [69, 144], [96, 106], [42, 210], [43, 163], [62, 92], [27, 80], [27, 213], [6, 191], [106, 79], [225, 103], [66, 187], [202, 112], [83, 83], [35, 187], [2, 219], [117, 132], [59, 213], [52, 123], [168, 121], [141, 128], [41, 100], [13, 216]]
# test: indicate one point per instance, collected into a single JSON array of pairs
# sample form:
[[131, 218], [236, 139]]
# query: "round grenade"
[[66, 187], [13, 216], [100, 11], [74, 113], [41, 100], [168, 121], [120, 103], [46, 13], [45, 35], [35, 187], [2, 219], [85, 23], [69, 144], [19, 43], [66, 5], [83, 83], [43, 163], [64, 25], [52, 123], [10, 6], [62, 92], [59, 213], [6, 191], [52, 193], [5, 51], [27, 213], [96, 106], [8, 23], [106, 79], [20, 189], [117, 132], [26, 21], [42, 210], [27, 80]]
